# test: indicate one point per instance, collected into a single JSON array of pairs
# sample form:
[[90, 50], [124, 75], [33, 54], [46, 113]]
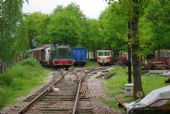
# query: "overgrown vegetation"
[[19, 80], [115, 86], [91, 64]]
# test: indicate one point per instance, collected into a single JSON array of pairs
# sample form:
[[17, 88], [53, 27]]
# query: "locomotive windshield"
[[64, 52], [103, 53]]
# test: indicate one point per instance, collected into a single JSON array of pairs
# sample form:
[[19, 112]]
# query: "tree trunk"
[[138, 91]]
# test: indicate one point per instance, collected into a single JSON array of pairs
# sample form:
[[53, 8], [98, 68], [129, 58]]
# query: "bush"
[[30, 62], [20, 79]]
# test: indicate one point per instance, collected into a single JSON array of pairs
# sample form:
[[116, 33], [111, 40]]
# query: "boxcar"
[[60, 56], [105, 57], [39, 53], [47, 56], [79, 55]]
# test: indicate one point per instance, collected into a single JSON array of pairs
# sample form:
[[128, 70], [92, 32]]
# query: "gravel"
[[96, 92]]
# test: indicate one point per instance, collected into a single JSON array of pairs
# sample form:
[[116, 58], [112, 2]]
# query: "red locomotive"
[[105, 57]]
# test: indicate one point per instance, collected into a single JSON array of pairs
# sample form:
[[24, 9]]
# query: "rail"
[[75, 107], [25, 108]]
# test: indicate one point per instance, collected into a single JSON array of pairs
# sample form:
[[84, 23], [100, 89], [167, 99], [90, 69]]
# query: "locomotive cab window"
[[100, 54], [107, 54], [64, 52], [103, 53]]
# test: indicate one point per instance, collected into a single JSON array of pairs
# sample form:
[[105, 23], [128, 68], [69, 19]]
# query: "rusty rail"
[[77, 95], [75, 107], [45, 92]]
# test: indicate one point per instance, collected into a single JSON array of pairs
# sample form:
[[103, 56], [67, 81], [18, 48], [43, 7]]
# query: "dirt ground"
[[96, 91]]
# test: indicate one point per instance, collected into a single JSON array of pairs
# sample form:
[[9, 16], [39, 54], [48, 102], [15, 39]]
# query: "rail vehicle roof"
[[157, 97], [104, 50], [42, 47], [78, 48], [60, 46]]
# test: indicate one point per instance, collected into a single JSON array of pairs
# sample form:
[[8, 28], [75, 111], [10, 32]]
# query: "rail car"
[[79, 54], [91, 55], [123, 58], [60, 56], [47, 56], [105, 57], [164, 56], [40, 54]]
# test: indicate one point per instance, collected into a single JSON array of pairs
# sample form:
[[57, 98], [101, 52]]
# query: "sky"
[[91, 8]]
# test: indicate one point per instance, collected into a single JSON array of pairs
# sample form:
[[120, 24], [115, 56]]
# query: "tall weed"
[[19, 80]]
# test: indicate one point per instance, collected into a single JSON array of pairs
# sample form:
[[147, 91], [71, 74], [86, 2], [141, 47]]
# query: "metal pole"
[[129, 55]]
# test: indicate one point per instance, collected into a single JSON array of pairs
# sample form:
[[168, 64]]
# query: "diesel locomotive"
[[60, 56], [105, 57], [54, 55]]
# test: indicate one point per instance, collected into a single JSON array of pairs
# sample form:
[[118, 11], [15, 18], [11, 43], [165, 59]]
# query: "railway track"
[[66, 94]]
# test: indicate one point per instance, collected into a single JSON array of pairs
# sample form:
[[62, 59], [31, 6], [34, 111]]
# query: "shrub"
[[19, 80]]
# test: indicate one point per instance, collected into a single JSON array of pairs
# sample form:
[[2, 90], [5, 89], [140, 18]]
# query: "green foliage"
[[159, 23], [36, 24], [94, 39], [145, 34], [11, 27], [66, 24], [114, 23], [64, 28], [19, 80]]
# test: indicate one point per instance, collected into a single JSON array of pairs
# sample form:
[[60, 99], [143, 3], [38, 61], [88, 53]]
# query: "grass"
[[115, 86], [91, 64], [19, 80]]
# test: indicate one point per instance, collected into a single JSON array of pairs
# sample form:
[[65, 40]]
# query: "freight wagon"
[[40, 54], [79, 55]]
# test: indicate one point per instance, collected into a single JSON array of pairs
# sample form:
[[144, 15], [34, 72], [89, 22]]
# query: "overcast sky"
[[91, 8]]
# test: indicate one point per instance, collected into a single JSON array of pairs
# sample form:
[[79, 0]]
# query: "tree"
[[135, 47], [36, 24], [134, 9], [10, 25], [95, 40], [114, 27], [159, 23], [65, 24]]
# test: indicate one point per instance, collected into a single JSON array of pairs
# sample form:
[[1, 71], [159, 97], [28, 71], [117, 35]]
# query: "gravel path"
[[96, 91]]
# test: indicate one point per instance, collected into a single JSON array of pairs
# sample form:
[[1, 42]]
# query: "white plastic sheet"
[[152, 99]]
